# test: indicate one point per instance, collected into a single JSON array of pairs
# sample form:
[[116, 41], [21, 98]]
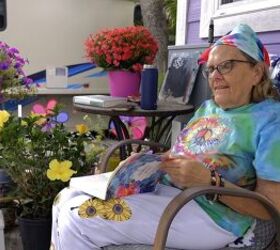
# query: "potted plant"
[[122, 52], [16, 85], [41, 156], [13, 81], [38, 152]]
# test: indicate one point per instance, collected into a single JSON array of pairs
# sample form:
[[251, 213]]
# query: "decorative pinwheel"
[[136, 126], [48, 114]]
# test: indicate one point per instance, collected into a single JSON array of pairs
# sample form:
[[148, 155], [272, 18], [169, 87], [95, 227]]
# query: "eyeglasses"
[[223, 67]]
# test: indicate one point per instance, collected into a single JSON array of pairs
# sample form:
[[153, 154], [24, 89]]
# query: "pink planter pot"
[[124, 83]]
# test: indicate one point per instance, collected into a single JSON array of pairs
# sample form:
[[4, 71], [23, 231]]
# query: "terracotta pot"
[[124, 83]]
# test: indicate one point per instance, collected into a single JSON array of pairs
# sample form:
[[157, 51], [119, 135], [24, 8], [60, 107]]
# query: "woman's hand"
[[185, 172]]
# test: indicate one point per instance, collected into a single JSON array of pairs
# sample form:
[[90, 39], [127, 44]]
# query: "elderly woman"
[[232, 140]]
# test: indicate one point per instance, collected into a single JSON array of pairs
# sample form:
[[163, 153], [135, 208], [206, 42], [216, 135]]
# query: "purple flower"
[[11, 70], [4, 66], [17, 65], [49, 125], [27, 81], [13, 50]]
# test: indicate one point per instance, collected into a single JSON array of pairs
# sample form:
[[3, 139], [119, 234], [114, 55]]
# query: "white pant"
[[192, 228]]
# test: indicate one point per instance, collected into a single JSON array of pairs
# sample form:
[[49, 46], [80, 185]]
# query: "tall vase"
[[35, 233], [124, 83]]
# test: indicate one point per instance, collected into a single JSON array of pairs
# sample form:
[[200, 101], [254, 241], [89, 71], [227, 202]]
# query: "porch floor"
[[12, 239]]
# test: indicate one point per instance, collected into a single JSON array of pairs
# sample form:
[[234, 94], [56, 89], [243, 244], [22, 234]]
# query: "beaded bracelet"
[[221, 180], [216, 180], [213, 180]]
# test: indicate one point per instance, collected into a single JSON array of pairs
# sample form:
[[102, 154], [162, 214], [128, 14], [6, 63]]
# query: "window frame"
[[227, 16], [181, 22]]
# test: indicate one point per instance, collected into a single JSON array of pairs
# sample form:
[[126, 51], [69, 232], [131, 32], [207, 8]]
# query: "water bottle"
[[148, 87]]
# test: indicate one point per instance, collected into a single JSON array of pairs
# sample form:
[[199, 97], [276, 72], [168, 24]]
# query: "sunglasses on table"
[[223, 67]]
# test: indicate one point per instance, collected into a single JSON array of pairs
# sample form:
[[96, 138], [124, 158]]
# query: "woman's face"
[[233, 88]]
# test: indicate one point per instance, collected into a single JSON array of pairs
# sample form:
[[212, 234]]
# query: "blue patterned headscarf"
[[243, 38]]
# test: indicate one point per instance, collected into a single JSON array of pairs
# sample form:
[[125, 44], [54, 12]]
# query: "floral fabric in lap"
[[242, 144]]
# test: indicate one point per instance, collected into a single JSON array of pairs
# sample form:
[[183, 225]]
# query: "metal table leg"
[[122, 134]]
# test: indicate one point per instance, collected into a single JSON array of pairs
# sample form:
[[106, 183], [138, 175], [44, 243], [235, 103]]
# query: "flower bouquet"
[[41, 156], [126, 48]]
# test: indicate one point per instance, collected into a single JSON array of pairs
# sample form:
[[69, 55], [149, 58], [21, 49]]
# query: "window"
[[3, 18], [261, 15], [229, 1]]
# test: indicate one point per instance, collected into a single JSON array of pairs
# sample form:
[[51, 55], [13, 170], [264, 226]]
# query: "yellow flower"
[[60, 170], [91, 208], [41, 118], [116, 209], [41, 121], [4, 116], [82, 128]]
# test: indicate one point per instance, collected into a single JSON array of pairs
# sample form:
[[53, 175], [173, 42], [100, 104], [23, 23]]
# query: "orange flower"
[[126, 48]]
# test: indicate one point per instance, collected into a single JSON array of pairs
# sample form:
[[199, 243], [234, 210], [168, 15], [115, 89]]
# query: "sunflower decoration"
[[91, 208], [117, 210]]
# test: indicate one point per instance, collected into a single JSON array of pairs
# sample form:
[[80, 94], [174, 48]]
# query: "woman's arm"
[[186, 173], [269, 189]]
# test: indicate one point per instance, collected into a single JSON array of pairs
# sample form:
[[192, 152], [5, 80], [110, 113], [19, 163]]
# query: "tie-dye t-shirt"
[[242, 144]]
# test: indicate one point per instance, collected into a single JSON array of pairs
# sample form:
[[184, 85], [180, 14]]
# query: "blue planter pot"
[[35, 233]]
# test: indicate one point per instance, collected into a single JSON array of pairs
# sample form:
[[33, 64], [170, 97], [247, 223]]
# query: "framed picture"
[[180, 78]]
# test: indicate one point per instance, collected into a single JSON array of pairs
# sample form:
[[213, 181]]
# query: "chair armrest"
[[189, 194], [155, 146]]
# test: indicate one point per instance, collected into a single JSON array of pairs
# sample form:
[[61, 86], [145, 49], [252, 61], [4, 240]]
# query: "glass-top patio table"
[[161, 118]]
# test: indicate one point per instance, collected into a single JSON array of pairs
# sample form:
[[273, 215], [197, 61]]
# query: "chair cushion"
[[264, 234]]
